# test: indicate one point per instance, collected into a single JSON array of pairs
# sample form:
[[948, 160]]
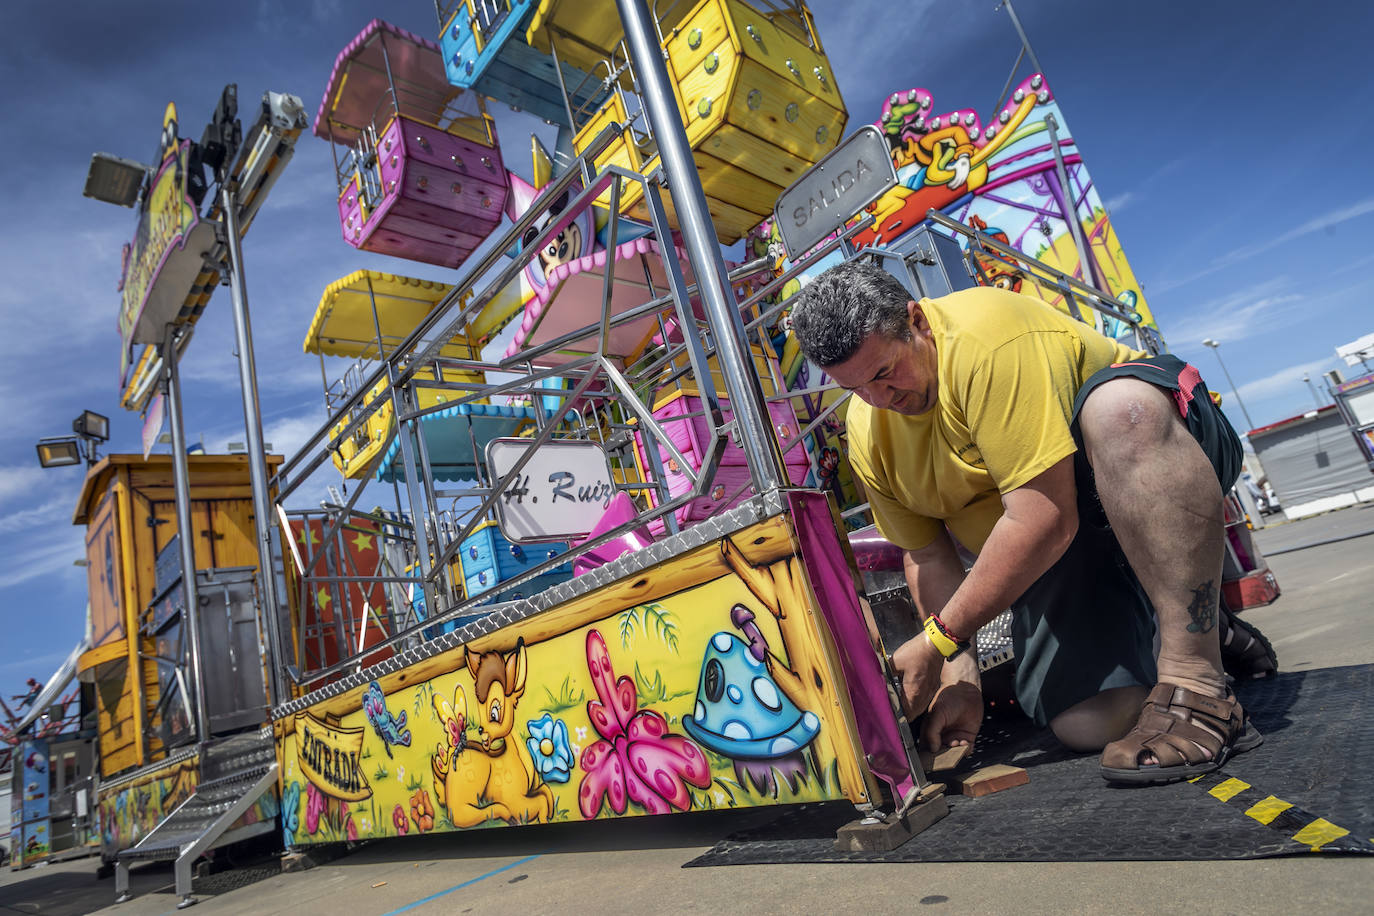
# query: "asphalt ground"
[[1325, 617]]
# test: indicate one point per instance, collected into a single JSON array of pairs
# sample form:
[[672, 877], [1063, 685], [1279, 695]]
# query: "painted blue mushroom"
[[742, 714]]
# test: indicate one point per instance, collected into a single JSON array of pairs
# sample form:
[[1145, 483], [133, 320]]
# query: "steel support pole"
[[181, 479], [752, 419], [1070, 205], [257, 458], [1025, 42]]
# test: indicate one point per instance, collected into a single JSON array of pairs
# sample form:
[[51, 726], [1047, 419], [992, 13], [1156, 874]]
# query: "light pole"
[[1216, 345], [1313, 388]]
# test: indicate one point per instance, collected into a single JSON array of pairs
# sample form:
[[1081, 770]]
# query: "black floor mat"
[[1310, 779]]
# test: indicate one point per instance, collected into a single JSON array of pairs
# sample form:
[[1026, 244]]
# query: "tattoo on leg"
[[1203, 608]]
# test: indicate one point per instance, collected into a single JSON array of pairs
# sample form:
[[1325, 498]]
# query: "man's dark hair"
[[836, 312]]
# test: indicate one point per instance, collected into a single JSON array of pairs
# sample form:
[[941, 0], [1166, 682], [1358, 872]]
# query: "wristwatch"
[[943, 640]]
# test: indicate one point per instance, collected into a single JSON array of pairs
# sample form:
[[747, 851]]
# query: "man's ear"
[[917, 317]]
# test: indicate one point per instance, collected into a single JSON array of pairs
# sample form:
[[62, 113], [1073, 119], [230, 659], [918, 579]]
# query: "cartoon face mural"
[[1002, 178], [717, 694], [576, 239]]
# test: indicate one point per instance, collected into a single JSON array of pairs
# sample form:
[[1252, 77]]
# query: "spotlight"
[[91, 425], [60, 452]]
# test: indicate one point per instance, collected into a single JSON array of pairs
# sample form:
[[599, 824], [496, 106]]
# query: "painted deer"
[[496, 771]]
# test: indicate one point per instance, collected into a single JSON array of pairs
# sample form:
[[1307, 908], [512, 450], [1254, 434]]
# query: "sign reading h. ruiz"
[[849, 178], [559, 493]]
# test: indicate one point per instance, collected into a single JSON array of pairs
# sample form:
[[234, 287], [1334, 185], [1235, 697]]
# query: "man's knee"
[[1125, 416], [1099, 720]]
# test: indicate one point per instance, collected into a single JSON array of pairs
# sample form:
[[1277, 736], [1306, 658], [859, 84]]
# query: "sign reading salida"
[[849, 178]]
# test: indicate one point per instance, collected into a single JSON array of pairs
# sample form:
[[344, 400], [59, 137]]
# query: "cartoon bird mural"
[[391, 728]]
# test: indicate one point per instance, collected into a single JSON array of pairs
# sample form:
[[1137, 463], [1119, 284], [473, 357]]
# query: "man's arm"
[[1038, 521]]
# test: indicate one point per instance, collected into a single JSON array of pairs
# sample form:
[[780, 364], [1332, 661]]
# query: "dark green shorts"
[[1086, 625]]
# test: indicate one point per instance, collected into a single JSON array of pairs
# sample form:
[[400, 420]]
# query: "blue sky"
[[1225, 138]]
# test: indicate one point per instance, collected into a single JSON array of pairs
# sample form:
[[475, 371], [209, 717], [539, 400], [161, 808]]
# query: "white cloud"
[[1288, 380], [20, 481], [1326, 222], [1251, 312], [51, 513], [1321, 223], [35, 666], [1116, 204], [54, 551]]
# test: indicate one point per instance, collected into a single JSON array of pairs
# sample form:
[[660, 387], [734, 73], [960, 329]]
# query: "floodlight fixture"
[[91, 425], [115, 180], [59, 451]]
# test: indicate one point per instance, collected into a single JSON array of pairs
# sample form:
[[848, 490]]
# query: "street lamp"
[[1215, 345], [1312, 388]]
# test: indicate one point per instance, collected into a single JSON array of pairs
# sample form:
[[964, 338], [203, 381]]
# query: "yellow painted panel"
[[696, 87], [623, 152], [712, 30], [769, 120], [752, 153], [557, 695], [731, 222], [775, 47], [233, 518], [739, 188]]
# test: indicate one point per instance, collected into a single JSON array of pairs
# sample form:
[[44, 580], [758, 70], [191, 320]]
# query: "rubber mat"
[[1307, 788]]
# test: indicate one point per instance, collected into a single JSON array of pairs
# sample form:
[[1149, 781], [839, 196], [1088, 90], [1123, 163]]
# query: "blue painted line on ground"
[[457, 887]]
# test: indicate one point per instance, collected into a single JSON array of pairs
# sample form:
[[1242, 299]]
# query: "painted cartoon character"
[[391, 728], [494, 770], [573, 241], [999, 273], [828, 467]]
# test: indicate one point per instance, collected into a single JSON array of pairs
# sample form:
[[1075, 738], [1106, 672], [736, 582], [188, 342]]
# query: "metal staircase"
[[234, 773]]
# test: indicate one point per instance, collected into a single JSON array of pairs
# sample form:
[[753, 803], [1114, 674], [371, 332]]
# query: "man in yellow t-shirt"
[[1087, 477]]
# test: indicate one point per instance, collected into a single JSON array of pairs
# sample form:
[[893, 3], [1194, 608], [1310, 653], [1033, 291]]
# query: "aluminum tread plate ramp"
[[235, 772], [1318, 736]]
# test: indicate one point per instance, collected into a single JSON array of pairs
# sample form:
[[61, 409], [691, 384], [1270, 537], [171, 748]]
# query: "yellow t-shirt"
[[1008, 368]]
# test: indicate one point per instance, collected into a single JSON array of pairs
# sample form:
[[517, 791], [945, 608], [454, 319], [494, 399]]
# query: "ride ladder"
[[234, 772]]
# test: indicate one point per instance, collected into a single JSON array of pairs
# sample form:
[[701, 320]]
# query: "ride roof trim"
[[359, 78], [343, 325]]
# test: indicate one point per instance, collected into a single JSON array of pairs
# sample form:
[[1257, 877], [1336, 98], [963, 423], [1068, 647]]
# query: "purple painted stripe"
[[832, 579]]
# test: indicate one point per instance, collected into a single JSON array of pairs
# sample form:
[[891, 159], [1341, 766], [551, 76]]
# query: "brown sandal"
[[1245, 653], [1180, 728]]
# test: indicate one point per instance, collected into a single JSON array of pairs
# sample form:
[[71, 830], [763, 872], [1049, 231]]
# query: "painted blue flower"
[[549, 748], [290, 812]]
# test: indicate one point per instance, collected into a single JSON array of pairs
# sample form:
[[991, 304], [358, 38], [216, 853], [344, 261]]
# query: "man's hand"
[[955, 716], [918, 665]]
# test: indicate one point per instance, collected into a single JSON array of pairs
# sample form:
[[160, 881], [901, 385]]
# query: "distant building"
[[1313, 462]]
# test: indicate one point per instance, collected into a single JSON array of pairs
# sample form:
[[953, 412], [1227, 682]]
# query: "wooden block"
[[886, 834], [947, 759], [989, 779]]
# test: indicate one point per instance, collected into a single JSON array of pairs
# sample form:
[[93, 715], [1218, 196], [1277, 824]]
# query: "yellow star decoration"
[[322, 599], [308, 536], [362, 541]]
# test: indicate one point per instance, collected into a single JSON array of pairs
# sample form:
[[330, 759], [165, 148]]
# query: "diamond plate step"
[[229, 768]]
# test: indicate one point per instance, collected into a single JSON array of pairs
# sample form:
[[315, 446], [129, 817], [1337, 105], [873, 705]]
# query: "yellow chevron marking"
[[1266, 810], [1318, 833], [1225, 791]]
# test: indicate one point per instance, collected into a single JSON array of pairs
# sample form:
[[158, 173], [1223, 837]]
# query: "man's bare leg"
[[1162, 498], [1094, 723]]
